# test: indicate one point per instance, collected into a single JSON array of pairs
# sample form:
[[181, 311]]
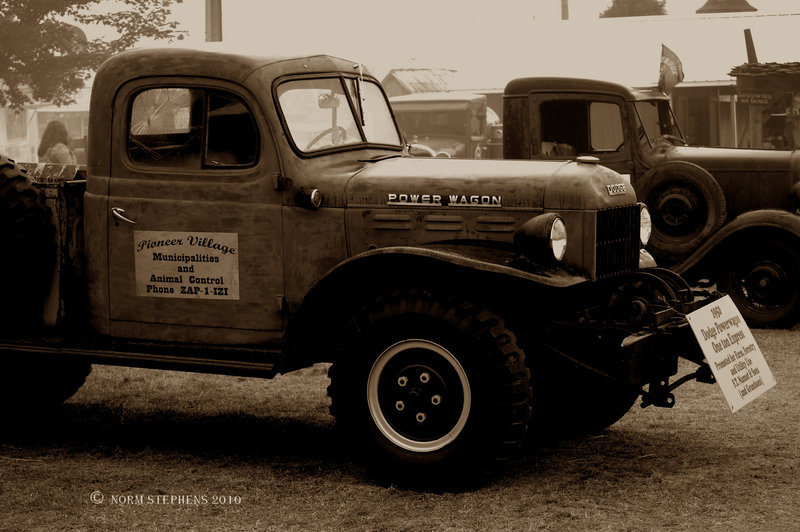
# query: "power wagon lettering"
[[451, 200]]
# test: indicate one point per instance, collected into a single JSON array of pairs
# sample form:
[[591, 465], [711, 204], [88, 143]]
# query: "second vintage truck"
[[722, 215]]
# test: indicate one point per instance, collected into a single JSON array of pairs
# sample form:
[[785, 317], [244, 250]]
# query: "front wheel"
[[762, 281], [429, 388]]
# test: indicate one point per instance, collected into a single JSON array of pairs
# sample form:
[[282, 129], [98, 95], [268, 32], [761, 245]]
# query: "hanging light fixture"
[[725, 6]]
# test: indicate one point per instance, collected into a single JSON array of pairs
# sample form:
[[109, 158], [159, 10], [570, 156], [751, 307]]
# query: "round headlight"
[[542, 238], [645, 224], [558, 238]]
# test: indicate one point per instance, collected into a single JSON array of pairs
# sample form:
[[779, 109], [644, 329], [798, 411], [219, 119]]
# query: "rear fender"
[[744, 226]]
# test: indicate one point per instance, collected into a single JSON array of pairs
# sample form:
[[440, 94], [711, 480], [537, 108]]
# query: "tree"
[[634, 8], [45, 58]]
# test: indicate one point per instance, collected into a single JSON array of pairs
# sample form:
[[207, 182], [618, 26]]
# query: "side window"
[[574, 127], [232, 133], [191, 128], [166, 128], [606, 126], [565, 128]]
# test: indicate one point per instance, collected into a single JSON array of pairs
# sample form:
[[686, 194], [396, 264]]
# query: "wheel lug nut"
[[436, 400], [402, 381], [421, 417], [400, 406], [424, 377]]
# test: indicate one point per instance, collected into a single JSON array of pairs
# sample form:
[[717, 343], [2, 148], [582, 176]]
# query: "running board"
[[248, 361]]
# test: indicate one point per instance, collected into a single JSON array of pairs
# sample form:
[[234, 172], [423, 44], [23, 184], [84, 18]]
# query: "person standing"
[[54, 146]]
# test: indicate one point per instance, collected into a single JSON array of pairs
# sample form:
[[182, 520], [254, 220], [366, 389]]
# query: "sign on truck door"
[[194, 225]]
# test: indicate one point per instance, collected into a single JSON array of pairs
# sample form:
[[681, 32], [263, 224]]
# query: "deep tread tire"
[[27, 241], [570, 401], [32, 385], [450, 364], [687, 206], [762, 280]]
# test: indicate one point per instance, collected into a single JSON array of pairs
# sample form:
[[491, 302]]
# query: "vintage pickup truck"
[[255, 215], [721, 215]]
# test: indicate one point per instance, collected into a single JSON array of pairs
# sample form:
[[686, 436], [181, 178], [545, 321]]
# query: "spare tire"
[[27, 240], [687, 206]]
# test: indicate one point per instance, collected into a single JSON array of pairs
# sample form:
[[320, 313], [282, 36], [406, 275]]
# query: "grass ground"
[[175, 451]]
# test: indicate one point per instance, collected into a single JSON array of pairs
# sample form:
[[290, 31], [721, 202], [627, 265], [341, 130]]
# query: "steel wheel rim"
[[418, 395], [679, 212], [765, 286]]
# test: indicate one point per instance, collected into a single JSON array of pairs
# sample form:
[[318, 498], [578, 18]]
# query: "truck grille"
[[617, 245]]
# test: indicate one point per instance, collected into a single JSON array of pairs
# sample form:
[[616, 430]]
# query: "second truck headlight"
[[645, 224]]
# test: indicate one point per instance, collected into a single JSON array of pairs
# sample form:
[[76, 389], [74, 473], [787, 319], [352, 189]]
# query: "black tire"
[[687, 206], [33, 385], [763, 280], [570, 401], [430, 389], [27, 241]]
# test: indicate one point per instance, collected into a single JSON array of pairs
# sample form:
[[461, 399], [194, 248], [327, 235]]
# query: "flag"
[[671, 71]]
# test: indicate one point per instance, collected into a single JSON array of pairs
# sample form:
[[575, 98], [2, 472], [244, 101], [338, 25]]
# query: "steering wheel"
[[338, 135]]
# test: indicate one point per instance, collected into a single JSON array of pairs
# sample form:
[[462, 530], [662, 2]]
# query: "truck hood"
[[737, 159], [527, 185]]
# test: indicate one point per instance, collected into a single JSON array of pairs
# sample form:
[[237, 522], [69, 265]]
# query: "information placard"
[[178, 264], [730, 349]]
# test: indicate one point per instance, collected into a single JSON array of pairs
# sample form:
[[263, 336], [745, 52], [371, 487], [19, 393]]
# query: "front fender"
[[315, 321], [769, 219], [470, 256]]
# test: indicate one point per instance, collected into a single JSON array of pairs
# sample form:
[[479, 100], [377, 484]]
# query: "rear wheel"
[[27, 241], [34, 385], [431, 389], [762, 281]]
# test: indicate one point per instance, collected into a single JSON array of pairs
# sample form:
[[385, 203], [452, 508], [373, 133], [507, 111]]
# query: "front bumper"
[[639, 345]]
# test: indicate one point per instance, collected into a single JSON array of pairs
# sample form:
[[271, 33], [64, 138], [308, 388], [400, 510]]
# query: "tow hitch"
[[660, 393]]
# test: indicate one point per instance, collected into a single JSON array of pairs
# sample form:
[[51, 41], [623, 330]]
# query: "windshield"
[[657, 124], [321, 113]]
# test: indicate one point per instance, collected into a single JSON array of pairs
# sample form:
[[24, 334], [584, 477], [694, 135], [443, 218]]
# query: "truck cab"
[[707, 203]]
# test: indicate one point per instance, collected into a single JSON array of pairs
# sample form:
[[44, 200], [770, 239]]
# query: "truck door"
[[194, 224], [573, 125]]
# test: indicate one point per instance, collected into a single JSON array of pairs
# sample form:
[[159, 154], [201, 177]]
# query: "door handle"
[[119, 214]]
